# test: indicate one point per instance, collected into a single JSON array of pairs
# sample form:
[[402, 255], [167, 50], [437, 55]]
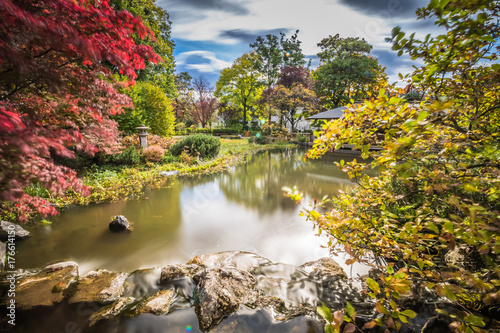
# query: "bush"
[[153, 154], [197, 145], [129, 156], [203, 130], [261, 140], [170, 159]]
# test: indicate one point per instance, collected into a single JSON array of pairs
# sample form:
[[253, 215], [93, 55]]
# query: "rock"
[[119, 223], [171, 272], [160, 303], [219, 292], [3, 249], [47, 287], [99, 286], [324, 269], [332, 285], [7, 228], [169, 173], [110, 311], [236, 259]]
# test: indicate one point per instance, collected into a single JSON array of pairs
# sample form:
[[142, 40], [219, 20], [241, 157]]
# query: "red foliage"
[[290, 75], [56, 94]]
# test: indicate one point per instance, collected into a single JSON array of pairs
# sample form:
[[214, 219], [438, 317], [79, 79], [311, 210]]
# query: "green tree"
[[347, 71], [241, 84], [158, 20], [438, 188], [275, 53], [154, 108]]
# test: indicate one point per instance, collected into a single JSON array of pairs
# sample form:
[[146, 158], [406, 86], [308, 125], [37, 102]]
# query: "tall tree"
[[241, 84], [183, 101], [275, 53], [437, 194], [347, 71], [158, 21], [54, 93], [293, 95], [205, 106]]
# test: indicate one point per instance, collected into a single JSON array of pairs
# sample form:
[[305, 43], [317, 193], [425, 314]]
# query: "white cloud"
[[214, 65]]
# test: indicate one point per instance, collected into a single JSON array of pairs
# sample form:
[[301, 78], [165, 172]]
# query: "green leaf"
[[325, 312], [409, 313], [350, 310], [474, 320], [329, 329]]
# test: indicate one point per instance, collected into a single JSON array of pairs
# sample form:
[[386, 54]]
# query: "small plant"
[[186, 158], [197, 145], [153, 154]]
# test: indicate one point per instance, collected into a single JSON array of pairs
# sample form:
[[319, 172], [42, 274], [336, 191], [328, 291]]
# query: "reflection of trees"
[[258, 184]]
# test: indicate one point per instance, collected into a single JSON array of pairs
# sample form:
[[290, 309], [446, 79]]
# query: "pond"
[[242, 209]]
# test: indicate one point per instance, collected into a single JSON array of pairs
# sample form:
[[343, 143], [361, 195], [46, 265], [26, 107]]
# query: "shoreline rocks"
[[8, 228], [219, 288]]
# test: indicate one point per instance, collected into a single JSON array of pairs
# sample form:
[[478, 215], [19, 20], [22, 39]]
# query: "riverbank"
[[113, 183]]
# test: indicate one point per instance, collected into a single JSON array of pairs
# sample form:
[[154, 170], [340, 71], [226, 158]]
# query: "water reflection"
[[242, 209]]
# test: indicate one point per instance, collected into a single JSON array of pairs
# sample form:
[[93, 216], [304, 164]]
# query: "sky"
[[210, 34]]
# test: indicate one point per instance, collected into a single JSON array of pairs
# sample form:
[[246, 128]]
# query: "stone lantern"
[[143, 135]]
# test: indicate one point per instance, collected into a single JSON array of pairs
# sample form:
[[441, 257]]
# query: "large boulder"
[[47, 287], [119, 223], [219, 292], [99, 286], [7, 228], [160, 303]]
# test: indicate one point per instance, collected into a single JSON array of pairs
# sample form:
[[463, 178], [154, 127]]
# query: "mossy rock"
[[47, 287], [99, 286]]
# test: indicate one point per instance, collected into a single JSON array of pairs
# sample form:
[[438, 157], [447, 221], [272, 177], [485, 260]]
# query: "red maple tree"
[[57, 91]]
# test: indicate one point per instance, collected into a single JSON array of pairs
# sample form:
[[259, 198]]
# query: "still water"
[[241, 209]]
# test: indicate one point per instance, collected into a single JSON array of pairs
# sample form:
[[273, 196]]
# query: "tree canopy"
[[276, 53], [157, 20], [347, 71], [56, 92], [438, 187]]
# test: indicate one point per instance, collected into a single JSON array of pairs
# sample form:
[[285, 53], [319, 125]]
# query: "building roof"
[[336, 113]]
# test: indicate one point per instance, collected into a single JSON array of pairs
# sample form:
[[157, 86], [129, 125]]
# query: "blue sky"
[[210, 34]]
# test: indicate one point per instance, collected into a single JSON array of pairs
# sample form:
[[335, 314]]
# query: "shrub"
[[197, 145], [262, 140], [170, 159], [203, 130], [153, 154], [129, 156]]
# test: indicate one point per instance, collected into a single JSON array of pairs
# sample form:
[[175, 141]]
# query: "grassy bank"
[[121, 183]]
